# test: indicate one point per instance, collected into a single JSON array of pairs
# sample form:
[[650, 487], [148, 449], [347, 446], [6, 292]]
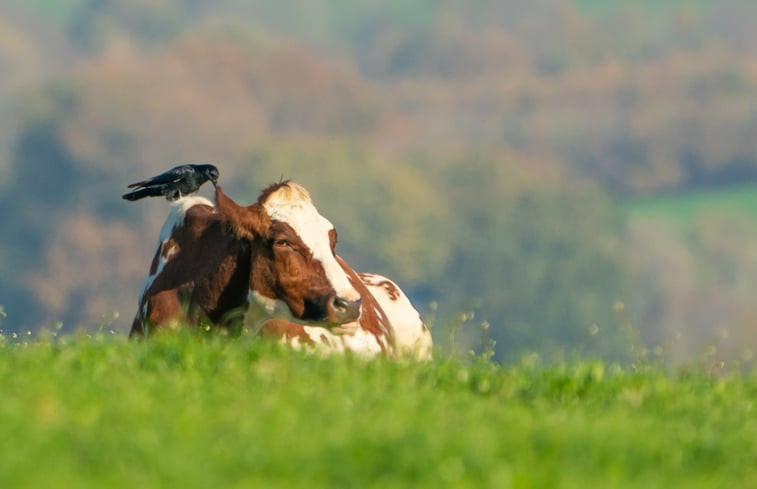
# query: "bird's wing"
[[151, 191], [171, 176]]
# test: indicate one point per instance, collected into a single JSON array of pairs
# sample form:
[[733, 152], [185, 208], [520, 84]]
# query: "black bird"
[[176, 182]]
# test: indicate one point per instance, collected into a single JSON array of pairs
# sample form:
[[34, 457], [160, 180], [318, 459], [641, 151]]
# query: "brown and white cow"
[[279, 256]]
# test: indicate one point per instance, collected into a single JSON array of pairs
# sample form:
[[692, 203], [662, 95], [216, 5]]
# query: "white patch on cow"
[[174, 220], [360, 342], [411, 336], [295, 343], [168, 254], [295, 208]]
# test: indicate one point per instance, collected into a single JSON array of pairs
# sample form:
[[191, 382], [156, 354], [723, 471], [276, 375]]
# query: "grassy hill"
[[184, 412]]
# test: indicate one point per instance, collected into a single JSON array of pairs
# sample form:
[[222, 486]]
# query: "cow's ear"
[[245, 222]]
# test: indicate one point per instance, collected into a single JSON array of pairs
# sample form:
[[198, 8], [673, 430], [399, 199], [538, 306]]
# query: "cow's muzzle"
[[342, 310]]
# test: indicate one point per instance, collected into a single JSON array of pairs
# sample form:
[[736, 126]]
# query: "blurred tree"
[[539, 257], [45, 179], [148, 23]]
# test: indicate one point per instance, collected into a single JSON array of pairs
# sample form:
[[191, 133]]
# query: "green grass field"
[[603, 6], [188, 412], [683, 210]]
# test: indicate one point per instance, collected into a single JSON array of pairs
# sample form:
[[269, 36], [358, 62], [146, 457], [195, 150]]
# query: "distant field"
[[184, 412], [649, 5], [418, 11], [684, 209], [58, 10]]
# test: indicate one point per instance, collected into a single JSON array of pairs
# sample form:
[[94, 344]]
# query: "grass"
[[654, 6], [54, 10], [684, 210], [188, 412]]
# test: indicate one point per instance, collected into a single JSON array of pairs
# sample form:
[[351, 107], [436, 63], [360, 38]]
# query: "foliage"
[[517, 253], [188, 412]]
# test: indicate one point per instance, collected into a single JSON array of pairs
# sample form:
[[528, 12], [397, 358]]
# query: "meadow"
[[683, 210], [182, 411]]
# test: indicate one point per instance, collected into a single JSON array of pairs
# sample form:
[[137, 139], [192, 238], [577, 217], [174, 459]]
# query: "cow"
[[273, 266]]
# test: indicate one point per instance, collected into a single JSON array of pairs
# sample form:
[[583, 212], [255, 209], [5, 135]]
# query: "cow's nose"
[[343, 304], [346, 310]]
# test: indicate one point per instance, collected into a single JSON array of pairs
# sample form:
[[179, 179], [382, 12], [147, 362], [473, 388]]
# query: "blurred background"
[[556, 175]]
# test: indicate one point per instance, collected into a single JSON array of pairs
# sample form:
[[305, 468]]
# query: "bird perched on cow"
[[176, 182]]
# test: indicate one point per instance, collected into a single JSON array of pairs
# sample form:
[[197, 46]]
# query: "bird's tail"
[[143, 192]]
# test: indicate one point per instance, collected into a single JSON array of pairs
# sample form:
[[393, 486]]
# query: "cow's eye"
[[281, 243]]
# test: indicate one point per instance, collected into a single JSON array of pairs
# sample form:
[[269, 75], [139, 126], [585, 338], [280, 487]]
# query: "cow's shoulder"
[[411, 335]]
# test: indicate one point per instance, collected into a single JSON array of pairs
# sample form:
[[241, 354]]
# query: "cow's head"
[[294, 272]]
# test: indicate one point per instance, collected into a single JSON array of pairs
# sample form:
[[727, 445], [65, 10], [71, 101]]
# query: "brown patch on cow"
[[278, 329], [373, 318], [206, 277], [391, 289], [324, 339], [164, 307], [333, 240]]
